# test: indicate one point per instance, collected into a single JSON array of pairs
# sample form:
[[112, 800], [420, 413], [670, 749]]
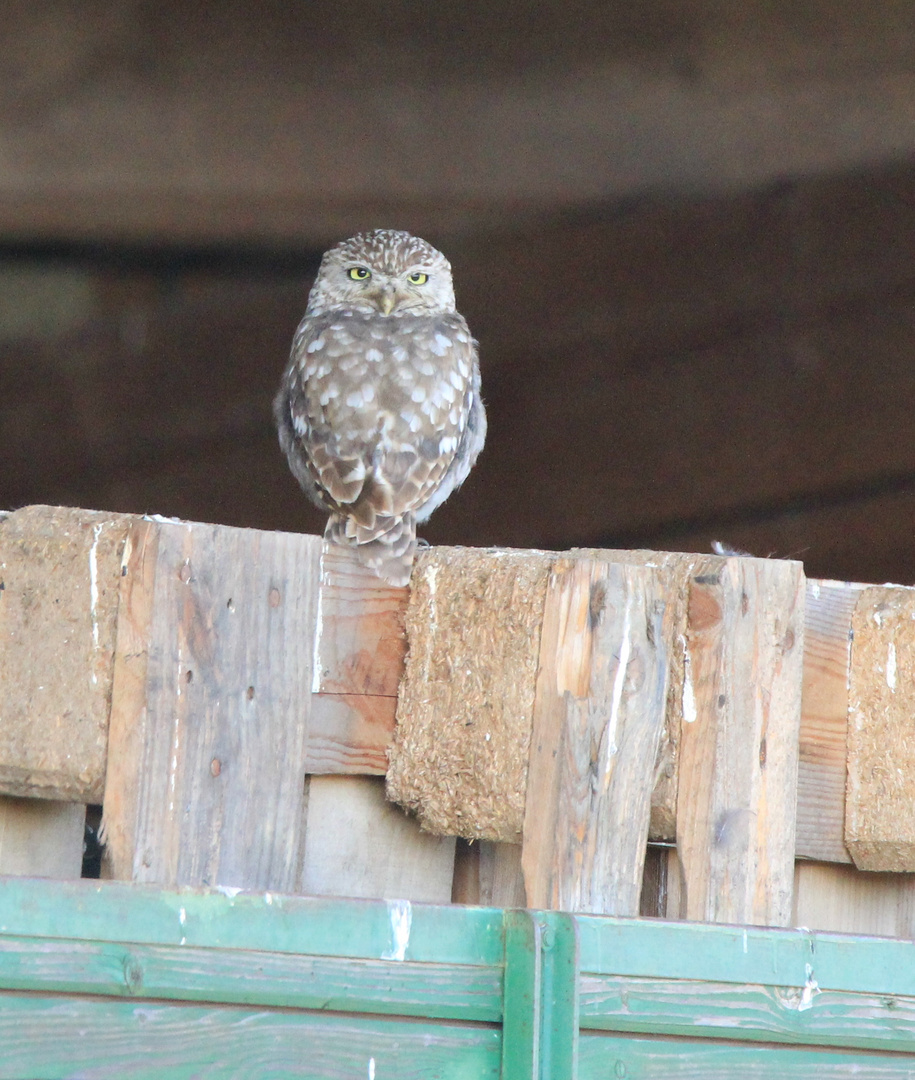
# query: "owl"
[[379, 412]]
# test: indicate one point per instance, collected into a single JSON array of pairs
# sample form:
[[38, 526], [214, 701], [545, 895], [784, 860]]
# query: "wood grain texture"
[[852, 901], [359, 657], [598, 716], [40, 838], [879, 816], [829, 607], [61, 1037], [764, 1013], [213, 708], [738, 750], [359, 844], [460, 756], [251, 977], [60, 570], [707, 1059]]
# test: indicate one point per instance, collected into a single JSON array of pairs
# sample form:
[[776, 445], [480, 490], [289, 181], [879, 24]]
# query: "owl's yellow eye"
[[417, 278], [359, 273]]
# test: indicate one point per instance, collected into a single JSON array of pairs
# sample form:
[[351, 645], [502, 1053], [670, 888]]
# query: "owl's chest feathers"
[[395, 377]]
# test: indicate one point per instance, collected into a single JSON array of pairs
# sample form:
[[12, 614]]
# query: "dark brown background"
[[683, 233]]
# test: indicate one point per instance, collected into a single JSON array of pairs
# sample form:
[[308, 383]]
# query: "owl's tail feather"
[[387, 550]]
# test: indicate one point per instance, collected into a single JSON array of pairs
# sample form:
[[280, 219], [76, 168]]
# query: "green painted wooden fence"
[[108, 980]]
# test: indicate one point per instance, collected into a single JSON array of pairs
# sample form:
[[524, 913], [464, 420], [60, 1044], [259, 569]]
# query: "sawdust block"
[[60, 571], [460, 754], [880, 795]]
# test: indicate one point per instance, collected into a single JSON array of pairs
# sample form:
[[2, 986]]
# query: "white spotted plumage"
[[379, 412]]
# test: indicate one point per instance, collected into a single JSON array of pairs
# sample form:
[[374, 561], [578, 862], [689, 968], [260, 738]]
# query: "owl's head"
[[383, 272]]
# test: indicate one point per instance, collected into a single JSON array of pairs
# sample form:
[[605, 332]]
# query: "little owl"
[[379, 412]]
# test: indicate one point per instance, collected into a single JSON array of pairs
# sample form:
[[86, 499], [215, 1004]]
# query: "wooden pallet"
[[231, 697]]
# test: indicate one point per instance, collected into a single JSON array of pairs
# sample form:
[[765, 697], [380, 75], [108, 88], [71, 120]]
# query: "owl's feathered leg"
[[388, 550]]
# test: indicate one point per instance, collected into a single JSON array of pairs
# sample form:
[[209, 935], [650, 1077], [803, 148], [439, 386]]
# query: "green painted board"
[[109, 980], [736, 954], [64, 1038], [746, 1011], [370, 929], [189, 973], [614, 1058]]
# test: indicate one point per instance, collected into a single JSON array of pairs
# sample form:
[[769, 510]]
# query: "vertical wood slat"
[[824, 721], [212, 681], [738, 751], [598, 717]]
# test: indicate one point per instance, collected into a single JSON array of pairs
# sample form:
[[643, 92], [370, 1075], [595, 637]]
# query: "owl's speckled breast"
[[401, 377]]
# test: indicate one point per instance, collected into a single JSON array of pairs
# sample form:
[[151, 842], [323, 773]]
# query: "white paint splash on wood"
[[689, 694], [891, 666], [401, 913], [609, 747]]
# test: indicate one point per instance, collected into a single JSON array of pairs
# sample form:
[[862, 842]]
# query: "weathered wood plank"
[[58, 1038], [359, 844], [59, 575], [598, 716], [737, 790], [682, 1059], [879, 818], [360, 645], [215, 709], [369, 929], [824, 721], [40, 838], [797, 1014], [852, 901], [251, 977]]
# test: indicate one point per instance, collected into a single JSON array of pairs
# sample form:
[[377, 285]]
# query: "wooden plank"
[[853, 901], [188, 918], [359, 655], [598, 717], [828, 613], [359, 844], [738, 751], [59, 1037], [879, 822], [683, 1059], [40, 838], [251, 977], [763, 1013], [59, 575], [226, 618]]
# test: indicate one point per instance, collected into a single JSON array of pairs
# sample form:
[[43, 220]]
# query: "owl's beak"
[[387, 298]]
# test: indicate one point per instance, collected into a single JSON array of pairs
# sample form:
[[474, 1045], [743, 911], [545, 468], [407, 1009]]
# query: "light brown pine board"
[[824, 721], [358, 844], [738, 745]]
